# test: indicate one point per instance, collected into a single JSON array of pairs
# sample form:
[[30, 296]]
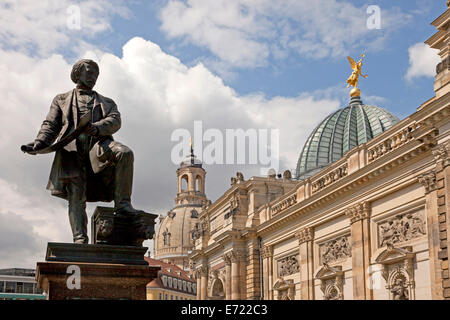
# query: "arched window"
[[184, 183], [198, 183]]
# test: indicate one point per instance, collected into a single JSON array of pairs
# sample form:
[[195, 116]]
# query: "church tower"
[[191, 181], [173, 239]]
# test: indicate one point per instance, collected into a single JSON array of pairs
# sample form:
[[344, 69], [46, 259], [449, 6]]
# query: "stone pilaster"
[[428, 180], [253, 272], [305, 239], [199, 283], [359, 216], [203, 272], [227, 260], [235, 257], [267, 254], [442, 185]]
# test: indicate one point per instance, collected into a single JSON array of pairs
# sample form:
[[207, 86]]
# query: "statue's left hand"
[[91, 130]]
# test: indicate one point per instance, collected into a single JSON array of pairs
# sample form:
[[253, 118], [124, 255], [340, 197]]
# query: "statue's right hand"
[[27, 147], [38, 144]]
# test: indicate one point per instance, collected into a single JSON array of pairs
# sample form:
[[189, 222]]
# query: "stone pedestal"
[[83, 271]]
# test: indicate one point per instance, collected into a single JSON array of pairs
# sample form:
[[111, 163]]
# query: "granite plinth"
[[102, 271], [95, 253]]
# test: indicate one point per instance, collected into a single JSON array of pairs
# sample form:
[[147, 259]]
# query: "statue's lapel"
[[67, 105], [103, 108]]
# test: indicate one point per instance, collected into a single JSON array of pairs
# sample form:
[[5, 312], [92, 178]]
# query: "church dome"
[[341, 131], [191, 161], [173, 239]]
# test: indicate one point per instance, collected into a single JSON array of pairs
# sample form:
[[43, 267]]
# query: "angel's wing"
[[352, 63]]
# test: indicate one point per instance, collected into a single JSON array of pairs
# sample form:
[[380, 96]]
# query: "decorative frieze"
[[288, 266], [284, 204], [330, 178], [304, 235], [401, 228], [358, 212], [428, 180], [337, 249]]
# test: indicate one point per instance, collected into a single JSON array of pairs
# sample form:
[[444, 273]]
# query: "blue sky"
[[261, 64]]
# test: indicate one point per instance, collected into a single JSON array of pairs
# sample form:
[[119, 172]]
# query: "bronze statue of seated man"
[[92, 167]]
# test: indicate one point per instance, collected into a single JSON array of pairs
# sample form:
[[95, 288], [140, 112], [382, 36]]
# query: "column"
[[204, 282], [243, 275], [227, 259], [265, 256], [270, 269], [305, 239], [199, 285], [235, 277], [359, 216]]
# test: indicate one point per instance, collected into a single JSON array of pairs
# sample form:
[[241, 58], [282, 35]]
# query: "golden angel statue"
[[356, 66]]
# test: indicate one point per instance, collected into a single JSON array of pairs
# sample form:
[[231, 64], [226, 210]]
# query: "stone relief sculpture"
[[285, 289], [288, 266], [398, 272], [399, 288], [331, 282], [401, 228], [335, 250]]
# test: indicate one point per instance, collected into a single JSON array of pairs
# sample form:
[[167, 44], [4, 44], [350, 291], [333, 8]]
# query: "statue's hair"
[[77, 67]]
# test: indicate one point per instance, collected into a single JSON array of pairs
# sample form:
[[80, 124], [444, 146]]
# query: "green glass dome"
[[341, 131]]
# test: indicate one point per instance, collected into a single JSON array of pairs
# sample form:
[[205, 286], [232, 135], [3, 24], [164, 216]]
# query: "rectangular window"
[[2, 286], [19, 287], [28, 287], [10, 287], [166, 296]]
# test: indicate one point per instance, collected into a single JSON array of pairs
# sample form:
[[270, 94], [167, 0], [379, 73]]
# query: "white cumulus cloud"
[[244, 33], [41, 27], [422, 61]]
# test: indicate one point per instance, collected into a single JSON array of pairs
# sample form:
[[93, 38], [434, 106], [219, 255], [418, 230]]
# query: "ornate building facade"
[[368, 216]]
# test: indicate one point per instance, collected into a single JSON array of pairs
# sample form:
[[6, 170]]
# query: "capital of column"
[[358, 212], [428, 180], [235, 255], [202, 271], [304, 235], [267, 251], [442, 153], [227, 258]]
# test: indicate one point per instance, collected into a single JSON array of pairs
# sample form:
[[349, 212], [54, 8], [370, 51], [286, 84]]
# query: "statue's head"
[[85, 73]]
